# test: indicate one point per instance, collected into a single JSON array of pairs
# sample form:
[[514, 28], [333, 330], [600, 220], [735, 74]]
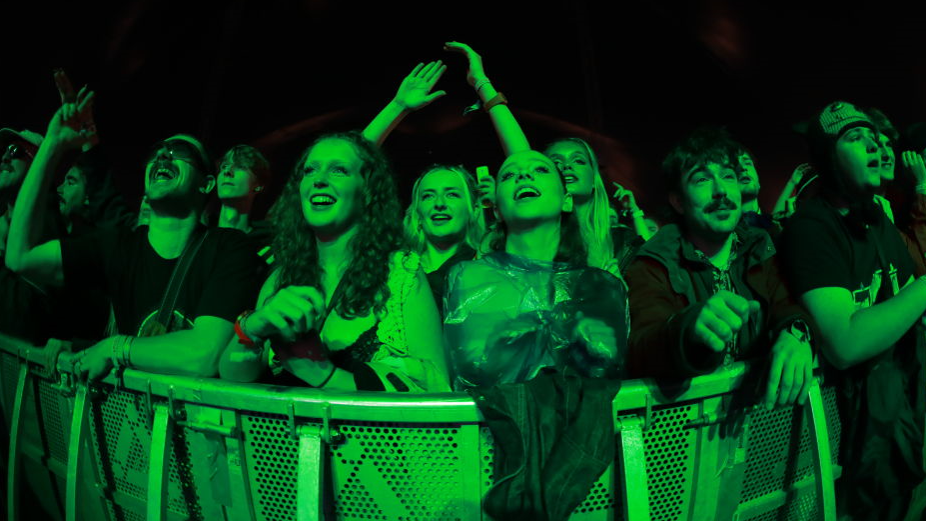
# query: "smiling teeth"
[[526, 191], [321, 199]]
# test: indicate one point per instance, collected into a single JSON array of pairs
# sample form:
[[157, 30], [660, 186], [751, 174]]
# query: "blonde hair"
[[594, 223], [475, 227]]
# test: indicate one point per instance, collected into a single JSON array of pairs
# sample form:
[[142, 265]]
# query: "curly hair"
[[378, 236], [475, 227], [594, 223]]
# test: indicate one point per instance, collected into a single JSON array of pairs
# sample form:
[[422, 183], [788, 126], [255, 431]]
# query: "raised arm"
[[41, 263], [509, 131], [629, 202], [414, 94], [781, 205]]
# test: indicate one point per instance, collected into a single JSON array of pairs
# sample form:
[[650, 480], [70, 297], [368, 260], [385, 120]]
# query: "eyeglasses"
[[17, 151], [179, 150]]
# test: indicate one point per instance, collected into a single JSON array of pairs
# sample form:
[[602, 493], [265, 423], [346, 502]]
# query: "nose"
[[60, 189], [227, 172], [525, 174], [720, 191]]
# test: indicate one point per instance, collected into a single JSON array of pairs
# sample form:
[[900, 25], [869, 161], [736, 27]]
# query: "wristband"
[[243, 338], [498, 99], [480, 84], [328, 378], [920, 188], [637, 213]]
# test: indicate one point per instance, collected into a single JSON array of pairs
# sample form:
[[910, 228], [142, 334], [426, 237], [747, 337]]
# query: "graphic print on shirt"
[[866, 296]]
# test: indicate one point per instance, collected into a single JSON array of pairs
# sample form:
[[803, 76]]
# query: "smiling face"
[[174, 175], [572, 162], [72, 193], [530, 190], [444, 207], [747, 176], [886, 148], [331, 188], [708, 198], [858, 159]]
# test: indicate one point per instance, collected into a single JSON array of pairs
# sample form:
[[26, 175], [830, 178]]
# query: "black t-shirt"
[[220, 283], [820, 248]]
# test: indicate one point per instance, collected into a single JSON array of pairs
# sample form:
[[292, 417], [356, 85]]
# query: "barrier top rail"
[[348, 405]]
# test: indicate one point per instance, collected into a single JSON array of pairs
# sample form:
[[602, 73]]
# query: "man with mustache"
[[180, 333], [705, 290], [852, 272]]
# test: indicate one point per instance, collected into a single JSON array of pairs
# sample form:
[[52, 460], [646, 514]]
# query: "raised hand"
[[292, 311], [915, 164], [790, 373], [475, 72], [625, 197], [67, 124], [415, 91], [721, 317]]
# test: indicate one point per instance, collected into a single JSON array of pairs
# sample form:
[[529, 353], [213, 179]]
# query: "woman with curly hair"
[[532, 302], [345, 307]]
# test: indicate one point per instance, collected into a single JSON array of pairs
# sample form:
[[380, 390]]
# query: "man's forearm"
[[181, 352]]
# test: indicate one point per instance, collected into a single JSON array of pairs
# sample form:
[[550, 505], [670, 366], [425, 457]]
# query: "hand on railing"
[[790, 373]]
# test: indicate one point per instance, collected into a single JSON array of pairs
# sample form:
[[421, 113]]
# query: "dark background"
[[631, 77]]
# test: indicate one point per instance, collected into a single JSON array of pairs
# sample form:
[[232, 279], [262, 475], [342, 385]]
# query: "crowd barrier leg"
[[633, 468], [76, 445], [311, 474], [158, 466], [13, 460], [820, 447]]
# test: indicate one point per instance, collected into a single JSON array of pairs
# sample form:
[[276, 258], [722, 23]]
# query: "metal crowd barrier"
[[162, 447]]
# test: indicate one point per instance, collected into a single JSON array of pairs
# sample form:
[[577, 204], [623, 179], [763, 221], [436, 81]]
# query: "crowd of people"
[[489, 281]]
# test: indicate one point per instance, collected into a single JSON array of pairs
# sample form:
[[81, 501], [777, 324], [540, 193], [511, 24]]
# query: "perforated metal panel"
[[773, 459], [399, 471], [54, 427], [804, 508], [601, 499], [272, 455], [120, 421], [670, 456]]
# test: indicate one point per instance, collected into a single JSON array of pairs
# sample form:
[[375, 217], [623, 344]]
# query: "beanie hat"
[[826, 128]]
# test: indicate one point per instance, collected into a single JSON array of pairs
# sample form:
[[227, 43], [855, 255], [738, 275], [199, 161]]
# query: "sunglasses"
[[179, 150], [17, 151]]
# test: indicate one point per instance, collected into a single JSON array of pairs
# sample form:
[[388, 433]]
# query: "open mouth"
[[440, 218], [570, 178], [162, 172], [322, 200], [874, 163], [526, 192]]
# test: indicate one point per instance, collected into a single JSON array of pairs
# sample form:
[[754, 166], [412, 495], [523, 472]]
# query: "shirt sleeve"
[[813, 255], [232, 285]]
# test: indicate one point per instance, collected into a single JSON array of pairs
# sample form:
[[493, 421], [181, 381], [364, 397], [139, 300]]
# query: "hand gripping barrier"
[[163, 447]]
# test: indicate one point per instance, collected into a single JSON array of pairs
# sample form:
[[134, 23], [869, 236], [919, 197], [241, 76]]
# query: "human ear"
[[208, 184]]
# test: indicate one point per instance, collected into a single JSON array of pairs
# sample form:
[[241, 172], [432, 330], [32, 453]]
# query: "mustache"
[[723, 203]]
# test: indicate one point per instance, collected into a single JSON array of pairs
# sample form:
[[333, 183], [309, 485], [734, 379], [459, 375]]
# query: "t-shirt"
[[820, 248], [220, 282]]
